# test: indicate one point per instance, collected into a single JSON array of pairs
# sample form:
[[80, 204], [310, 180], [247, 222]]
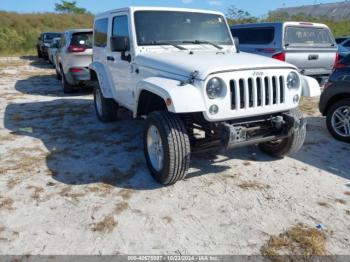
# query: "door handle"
[[110, 58], [313, 57]]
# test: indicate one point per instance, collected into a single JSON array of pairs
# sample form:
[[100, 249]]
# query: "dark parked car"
[[335, 101], [343, 41], [44, 42], [343, 51]]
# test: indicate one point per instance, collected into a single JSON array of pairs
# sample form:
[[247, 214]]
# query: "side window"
[[120, 26], [254, 36], [100, 32]]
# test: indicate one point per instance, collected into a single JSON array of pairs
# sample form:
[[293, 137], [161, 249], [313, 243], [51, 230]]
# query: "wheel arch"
[[176, 97], [310, 87], [335, 99], [149, 102], [98, 73]]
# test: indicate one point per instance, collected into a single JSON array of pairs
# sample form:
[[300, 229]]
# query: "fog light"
[[214, 109], [296, 99]]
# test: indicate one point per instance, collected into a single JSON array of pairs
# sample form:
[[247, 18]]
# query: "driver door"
[[119, 64]]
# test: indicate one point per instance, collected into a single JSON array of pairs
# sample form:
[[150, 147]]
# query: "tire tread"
[[178, 147], [289, 145]]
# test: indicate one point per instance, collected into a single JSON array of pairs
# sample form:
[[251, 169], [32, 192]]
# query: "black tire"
[[58, 75], [290, 144], [330, 113], [108, 111], [40, 55], [175, 145], [67, 88]]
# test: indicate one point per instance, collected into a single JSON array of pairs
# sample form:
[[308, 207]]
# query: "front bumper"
[[273, 128]]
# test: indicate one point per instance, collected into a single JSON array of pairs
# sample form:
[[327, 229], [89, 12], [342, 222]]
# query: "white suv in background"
[[73, 58]]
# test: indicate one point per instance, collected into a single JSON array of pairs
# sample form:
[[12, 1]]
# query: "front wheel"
[[338, 120], [289, 145], [40, 55], [166, 147]]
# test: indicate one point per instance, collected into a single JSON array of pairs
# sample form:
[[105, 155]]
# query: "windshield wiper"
[[199, 42], [165, 43]]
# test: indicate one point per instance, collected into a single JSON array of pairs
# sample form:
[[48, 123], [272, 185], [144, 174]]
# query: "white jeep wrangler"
[[182, 71]]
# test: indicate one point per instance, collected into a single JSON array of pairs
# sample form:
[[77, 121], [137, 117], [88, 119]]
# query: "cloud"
[[187, 1], [214, 2]]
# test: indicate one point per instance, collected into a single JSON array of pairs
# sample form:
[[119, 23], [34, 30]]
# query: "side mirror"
[[236, 41], [120, 44]]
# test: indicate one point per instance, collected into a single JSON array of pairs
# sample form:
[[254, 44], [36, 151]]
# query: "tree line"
[[19, 32], [239, 16]]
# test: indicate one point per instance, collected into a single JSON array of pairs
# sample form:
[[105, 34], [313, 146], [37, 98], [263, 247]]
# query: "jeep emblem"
[[258, 73]]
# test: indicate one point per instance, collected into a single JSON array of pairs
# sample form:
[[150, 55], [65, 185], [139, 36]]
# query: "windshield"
[[180, 27], [49, 36], [308, 36]]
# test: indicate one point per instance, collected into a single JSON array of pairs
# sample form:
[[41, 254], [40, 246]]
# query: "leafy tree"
[[239, 16], [69, 8]]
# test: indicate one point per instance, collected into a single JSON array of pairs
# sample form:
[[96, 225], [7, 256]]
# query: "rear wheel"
[[67, 88], [338, 120], [166, 147], [289, 145], [106, 108]]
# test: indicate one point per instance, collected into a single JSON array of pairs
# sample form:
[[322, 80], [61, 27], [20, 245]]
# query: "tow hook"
[[232, 135], [277, 122]]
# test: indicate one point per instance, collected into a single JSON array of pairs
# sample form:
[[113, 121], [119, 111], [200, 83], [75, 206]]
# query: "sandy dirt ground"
[[72, 185]]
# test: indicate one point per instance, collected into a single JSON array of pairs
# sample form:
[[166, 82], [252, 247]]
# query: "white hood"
[[206, 62]]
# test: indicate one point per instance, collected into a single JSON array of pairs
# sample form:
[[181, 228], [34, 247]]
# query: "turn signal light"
[[280, 56], [336, 61]]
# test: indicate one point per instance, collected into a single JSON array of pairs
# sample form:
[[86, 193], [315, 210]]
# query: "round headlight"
[[215, 88], [293, 80]]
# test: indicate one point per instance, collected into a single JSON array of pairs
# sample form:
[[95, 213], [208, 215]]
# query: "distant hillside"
[[19, 32], [333, 11]]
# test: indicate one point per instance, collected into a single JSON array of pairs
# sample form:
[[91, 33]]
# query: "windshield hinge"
[[191, 78]]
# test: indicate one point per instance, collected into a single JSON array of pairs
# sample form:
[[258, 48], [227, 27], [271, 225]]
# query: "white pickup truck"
[[181, 71]]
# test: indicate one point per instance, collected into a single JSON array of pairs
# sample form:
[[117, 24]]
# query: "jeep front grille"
[[256, 92]]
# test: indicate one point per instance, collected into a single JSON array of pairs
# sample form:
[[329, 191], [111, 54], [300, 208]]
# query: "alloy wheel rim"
[[155, 148], [341, 121]]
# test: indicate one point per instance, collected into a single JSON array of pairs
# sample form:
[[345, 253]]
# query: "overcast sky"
[[255, 7]]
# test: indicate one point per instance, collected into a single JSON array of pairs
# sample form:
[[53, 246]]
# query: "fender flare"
[[185, 98], [310, 87], [102, 78]]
